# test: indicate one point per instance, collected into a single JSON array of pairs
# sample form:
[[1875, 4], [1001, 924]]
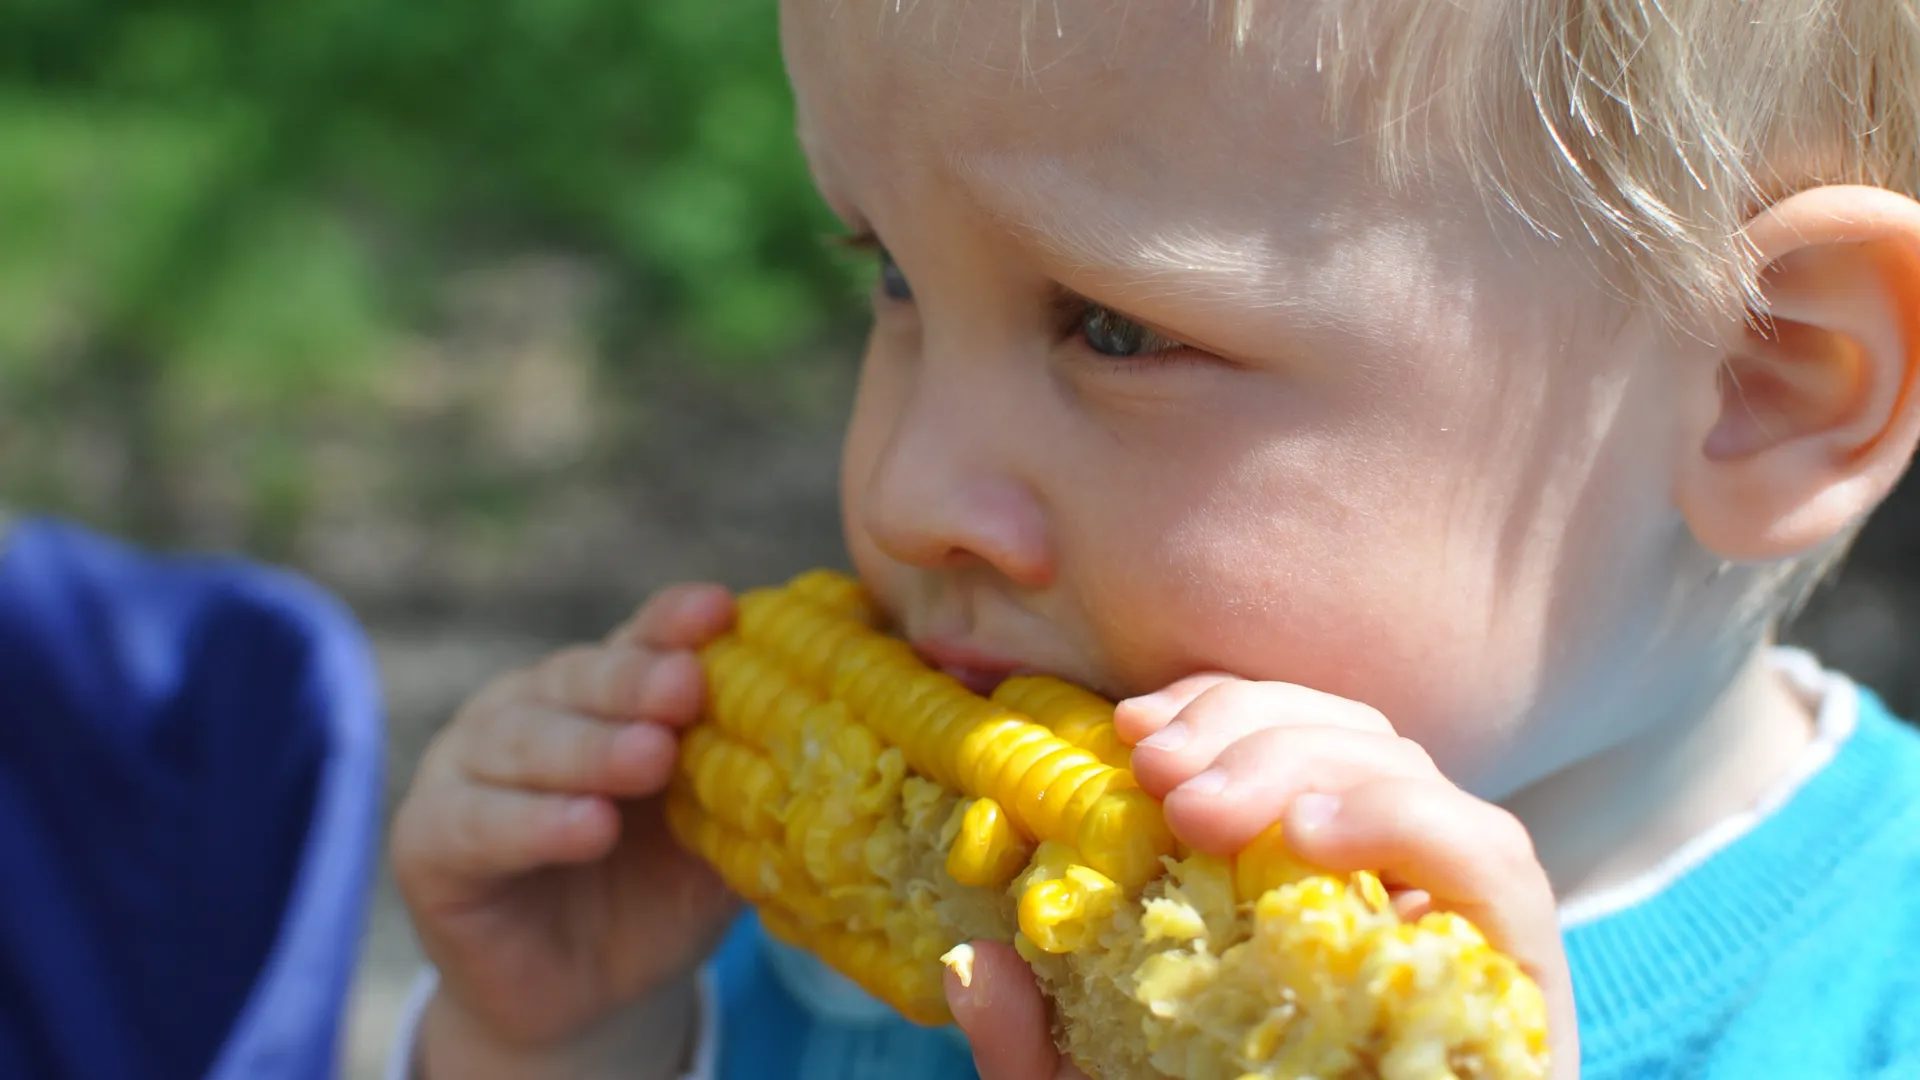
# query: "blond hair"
[[1654, 128]]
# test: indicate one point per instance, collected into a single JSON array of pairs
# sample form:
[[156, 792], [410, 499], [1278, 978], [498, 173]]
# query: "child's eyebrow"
[[1085, 229], [864, 240]]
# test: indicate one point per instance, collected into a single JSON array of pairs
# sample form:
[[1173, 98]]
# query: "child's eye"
[[893, 283], [1111, 334]]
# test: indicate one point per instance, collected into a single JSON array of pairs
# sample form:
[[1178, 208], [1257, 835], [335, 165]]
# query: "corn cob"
[[879, 814]]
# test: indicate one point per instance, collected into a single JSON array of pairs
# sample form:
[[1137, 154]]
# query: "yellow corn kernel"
[[879, 814], [811, 635], [1263, 1039], [1372, 891], [753, 699], [744, 788], [837, 593], [1081, 717], [754, 869], [1061, 914], [987, 852], [1050, 860], [827, 838], [1124, 836], [1266, 864], [1163, 918]]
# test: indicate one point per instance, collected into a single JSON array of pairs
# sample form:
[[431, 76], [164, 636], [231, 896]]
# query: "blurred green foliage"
[[223, 213]]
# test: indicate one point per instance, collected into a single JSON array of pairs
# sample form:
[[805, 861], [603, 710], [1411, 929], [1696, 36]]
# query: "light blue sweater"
[[1793, 950]]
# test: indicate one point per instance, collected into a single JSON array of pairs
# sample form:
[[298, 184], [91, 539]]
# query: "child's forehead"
[[1035, 42], [1172, 173], [1117, 108], [1132, 138], [995, 61]]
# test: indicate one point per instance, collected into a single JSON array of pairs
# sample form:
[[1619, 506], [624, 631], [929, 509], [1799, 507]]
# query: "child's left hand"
[[1231, 757]]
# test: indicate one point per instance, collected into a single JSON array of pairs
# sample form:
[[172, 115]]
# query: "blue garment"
[[190, 782], [1793, 951]]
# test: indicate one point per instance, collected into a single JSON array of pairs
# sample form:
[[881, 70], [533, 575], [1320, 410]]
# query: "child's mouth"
[[979, 680], [979, 672]]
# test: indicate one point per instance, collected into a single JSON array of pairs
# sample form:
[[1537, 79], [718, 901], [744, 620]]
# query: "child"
[[1424, 413]]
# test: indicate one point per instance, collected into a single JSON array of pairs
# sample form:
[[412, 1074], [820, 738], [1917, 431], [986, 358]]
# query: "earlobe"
[[1817, 416]]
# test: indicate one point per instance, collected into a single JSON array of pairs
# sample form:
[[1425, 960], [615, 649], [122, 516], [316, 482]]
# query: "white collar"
[[1835, 700]]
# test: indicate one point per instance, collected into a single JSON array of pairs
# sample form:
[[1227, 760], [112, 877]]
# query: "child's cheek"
[[1396, 617]]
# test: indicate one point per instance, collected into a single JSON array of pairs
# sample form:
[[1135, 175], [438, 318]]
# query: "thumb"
[[1001, 1011]]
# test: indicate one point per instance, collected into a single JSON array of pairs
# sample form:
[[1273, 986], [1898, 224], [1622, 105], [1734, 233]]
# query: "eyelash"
[[1079, 317], [1074, 315]]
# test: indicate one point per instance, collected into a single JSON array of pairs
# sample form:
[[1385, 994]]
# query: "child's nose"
[[937, 500]]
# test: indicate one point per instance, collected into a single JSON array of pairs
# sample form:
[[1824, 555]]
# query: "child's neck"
[[1616, 815]]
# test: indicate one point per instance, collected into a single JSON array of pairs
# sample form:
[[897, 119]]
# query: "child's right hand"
[[533, 854]]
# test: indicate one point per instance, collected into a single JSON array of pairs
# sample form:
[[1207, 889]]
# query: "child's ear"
[[1817, 414]]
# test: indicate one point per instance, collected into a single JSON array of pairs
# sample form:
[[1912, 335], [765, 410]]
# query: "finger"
[[472, 832], [1469, 856], [676, 690], [622, 682], [1000, 1010], [684, 616], [1136, 718], [1228, 711], [604, 680], [548, 749], [1250, 785]]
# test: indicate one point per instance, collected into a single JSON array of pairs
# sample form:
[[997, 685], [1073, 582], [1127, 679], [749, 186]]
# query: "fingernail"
[[577, 810], [1154, 709], [1172, 737], [1313, 810], [1211, 782]]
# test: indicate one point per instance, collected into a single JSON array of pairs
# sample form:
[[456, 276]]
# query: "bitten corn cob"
[[879, 814]]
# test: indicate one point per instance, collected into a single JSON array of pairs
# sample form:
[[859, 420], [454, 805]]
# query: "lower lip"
[[981, 681]]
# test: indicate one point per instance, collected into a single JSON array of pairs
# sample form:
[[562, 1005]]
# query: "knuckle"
[[586, 753], [468, 826], [514, 685], [556, 670], [1510, 838], [624, 678], [661, 606], [589, 689], [1369, 718], [662, 598], [1223, 706], [1263, 753], [447, 752], [636, 672], [1415, 754], [521, 749]]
